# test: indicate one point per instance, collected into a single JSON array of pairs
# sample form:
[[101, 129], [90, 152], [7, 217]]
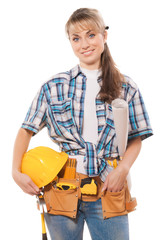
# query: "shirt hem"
[[30, 127], [143, 133]]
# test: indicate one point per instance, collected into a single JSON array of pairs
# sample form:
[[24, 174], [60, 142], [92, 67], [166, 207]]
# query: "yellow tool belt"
[[65, 202]]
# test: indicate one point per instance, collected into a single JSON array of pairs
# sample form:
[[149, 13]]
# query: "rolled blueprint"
[[121, 120]]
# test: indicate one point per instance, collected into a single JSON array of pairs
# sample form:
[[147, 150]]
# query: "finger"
[[105, 185], [30, 190], [122, 187], [34, 187], [117, 189]]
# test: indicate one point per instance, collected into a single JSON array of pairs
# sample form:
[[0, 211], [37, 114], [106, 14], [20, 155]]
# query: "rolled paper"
[[121, 121]]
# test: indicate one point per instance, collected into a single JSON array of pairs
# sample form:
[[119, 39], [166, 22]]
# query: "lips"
[[87, 53]]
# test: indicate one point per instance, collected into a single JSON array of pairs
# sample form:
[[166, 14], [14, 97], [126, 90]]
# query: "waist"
[[80, 167], [81, 157], [79, 163]]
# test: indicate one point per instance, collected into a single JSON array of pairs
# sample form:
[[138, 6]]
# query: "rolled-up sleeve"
[[35, 118], [139, 122]]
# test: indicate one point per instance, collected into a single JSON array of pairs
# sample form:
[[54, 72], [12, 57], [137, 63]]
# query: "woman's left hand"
[[115, 180]]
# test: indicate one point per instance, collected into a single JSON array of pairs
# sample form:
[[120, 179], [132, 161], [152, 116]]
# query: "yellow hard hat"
[[42, 164]]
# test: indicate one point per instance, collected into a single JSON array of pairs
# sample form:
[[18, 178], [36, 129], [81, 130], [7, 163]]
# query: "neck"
[[90, 66]]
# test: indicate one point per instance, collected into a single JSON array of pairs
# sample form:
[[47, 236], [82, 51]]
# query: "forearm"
[[20, 147], [132, 152]]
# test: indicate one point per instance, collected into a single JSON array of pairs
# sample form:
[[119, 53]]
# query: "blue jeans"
[[65, 228]]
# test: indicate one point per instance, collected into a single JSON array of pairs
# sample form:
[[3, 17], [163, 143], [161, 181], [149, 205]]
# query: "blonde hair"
[[84, 18]]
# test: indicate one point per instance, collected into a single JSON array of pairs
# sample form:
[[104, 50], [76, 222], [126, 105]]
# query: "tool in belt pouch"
[[61, 196], [88, 186]]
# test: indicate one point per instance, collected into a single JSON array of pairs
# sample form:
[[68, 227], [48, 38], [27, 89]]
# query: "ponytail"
[[112, 79]]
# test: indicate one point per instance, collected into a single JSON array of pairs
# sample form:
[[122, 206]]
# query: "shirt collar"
[[75, 71]]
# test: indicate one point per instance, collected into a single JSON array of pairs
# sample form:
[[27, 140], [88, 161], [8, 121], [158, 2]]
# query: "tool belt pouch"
[[62, 202], [117, 203]]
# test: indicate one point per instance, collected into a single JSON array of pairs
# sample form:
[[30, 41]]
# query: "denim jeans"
[[65, 228]]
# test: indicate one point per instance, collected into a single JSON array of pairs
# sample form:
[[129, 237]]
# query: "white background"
[[33, 47]]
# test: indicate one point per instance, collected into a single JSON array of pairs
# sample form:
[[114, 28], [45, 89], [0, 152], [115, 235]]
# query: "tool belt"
[[61, 196]]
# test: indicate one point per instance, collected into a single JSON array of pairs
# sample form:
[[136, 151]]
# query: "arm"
[[116, 178], [20, 147]]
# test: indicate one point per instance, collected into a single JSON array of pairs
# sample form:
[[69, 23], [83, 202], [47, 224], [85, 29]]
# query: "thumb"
[[105, 185], [34, 186]]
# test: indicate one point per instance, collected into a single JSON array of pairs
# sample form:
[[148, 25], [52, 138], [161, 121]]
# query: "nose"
[[85, 44]]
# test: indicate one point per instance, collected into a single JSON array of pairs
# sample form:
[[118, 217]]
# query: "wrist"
[[124, 168], [15, 173]]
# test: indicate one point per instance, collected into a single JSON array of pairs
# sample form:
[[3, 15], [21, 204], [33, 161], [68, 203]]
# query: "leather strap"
[[131, 204]]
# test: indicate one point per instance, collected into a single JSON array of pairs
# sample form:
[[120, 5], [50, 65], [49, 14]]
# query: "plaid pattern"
[[59, 105]]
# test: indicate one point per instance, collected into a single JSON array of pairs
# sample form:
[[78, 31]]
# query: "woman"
[[75, 106]]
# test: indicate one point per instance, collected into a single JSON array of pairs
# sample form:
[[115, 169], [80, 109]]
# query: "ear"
[[105, 36]]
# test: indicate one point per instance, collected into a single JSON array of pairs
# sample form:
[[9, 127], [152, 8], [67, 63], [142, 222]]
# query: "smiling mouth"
[[86, 53]]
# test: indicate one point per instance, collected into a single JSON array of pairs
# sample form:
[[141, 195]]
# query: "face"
[[88, 45]]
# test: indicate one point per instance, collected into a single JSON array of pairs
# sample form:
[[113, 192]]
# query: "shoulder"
[[129, 82], [62, 78], [57, 87], [59, 78], [129, 88]]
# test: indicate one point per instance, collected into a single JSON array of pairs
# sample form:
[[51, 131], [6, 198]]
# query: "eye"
[[76, 39], [91, 35]]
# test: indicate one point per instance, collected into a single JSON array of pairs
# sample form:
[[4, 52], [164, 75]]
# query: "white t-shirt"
[[90, 124]]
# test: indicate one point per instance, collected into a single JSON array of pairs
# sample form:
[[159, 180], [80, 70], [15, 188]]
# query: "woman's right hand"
[[26, 183], [20, 147]]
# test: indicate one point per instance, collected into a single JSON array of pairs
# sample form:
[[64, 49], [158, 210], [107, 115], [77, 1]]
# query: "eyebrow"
[[75, 34]]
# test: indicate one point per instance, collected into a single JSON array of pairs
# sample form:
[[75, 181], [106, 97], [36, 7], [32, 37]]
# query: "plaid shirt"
[[59, 105]]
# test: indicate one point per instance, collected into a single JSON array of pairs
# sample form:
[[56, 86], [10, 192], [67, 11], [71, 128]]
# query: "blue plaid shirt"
[[59, 105]]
